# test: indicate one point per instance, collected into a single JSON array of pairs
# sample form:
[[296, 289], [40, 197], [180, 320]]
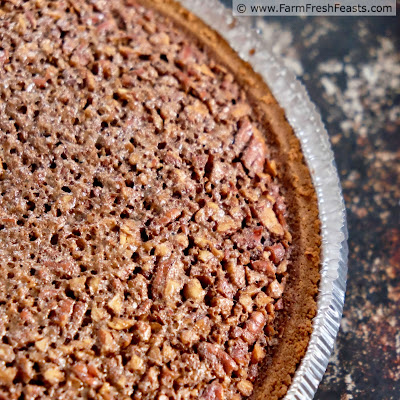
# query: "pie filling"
[[143, 243]]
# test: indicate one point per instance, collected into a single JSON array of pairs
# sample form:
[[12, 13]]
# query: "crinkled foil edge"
[[309, 128]]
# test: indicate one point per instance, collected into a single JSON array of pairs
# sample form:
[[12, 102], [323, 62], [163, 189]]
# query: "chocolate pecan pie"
[[159, 232]]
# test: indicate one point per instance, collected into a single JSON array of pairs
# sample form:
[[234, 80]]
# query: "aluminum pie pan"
[[310, 130]]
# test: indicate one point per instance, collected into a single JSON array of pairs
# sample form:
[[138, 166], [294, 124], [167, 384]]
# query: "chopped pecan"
[[282, 267], [274, 289], [264, 266], [262, 300], [258, 353], [249, 237], [203, 326], [53, 375], [240, 352], [7, 375], [78, 314], [130, 234], [143, 331], [150, 380], [39, 82], [160, 278], [210, 210], [189, 337], [4, 57], [279, 304], [62, 268], [86, 373], [228, 224], [186, 55], [144, 308], [225, 288], [160, 38], [240, 110], [163, 250], [33, 392], [116, 304], [268, 218], [136, 363], [247, 302], [277, 253], [218, 172], [223, 305], [254, 277], [182, 240], [213, 391], [245, 387], [167, 218], [199, 71], [172, 288], [253, 327], [236, 274], [25, 368], [97, 314], [6, 353], [63, 312], [107, 342], [193, 290], [120, 323], [213, 353], [205, 255], [77, 284], [254, 155], [155, 356], [243, 135]]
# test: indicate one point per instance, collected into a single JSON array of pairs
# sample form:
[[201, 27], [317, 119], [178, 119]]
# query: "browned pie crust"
[[145, 231], [295, 322]]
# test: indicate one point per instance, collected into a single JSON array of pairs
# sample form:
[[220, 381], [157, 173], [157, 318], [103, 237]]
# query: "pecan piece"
[[239, 352], [150, 381], [6, 353], [77, 316], [62, 268], [240, 110], [63, 312], [264, 266], [268, 218], [86, 373], [275, 289], [258, 354], [161, 278], [167, 218], [193, 290], [236, 274], [120, 324], [214, 391], [277, 252], [245, 387], [107, 342], [136, 363], [53, 375], [243, 135], [249, 237], [254, 327], [254, 155], [143, 331], [218, 172], [7, 375], [213, 353]]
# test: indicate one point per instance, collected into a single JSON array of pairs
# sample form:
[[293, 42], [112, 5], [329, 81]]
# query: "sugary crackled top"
[[143, 242]]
